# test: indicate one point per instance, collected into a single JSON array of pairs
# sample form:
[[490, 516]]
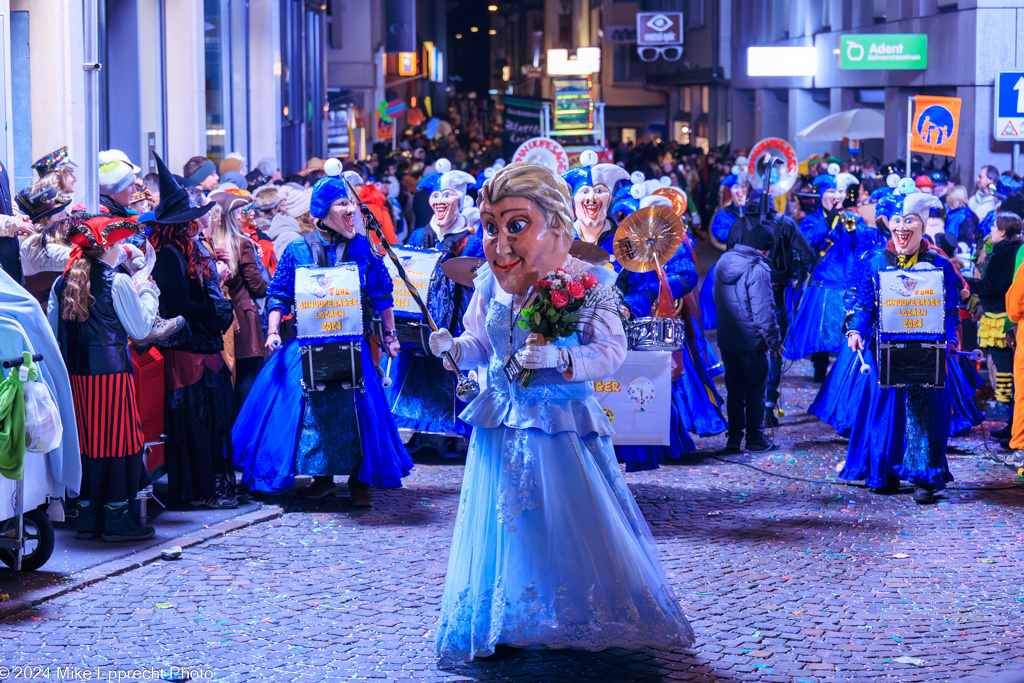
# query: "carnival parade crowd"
[[210, 265]]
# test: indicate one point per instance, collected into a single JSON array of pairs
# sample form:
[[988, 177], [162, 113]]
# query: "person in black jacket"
[[747, 328], [200, 400], [991, 289], [791, 259]]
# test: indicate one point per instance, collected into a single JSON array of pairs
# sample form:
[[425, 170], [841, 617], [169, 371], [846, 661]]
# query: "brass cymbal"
[[648, 238], [677, 198], [462, 269], [591, 253]]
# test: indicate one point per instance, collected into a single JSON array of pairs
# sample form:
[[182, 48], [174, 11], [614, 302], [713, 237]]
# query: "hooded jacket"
[[743, 297], [283, 231], [378, 205]]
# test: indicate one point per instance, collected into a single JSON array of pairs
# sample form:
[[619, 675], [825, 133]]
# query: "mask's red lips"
[[508, 266]]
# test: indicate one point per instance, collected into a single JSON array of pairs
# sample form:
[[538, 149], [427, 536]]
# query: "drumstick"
[[466, 388], [386, 380], [864, 367], [976, 354]]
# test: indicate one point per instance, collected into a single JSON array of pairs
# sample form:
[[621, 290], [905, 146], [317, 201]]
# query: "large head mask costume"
[[592, 185], [447, 195], [526, 224]]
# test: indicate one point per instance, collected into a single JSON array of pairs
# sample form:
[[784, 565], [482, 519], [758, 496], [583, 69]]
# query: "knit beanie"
[[233, 179], [760, 238], [115, 176], [232, 162], [296, 202]]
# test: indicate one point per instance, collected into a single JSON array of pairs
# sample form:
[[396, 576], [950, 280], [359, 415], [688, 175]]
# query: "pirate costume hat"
[[42, 204], [174, 206]]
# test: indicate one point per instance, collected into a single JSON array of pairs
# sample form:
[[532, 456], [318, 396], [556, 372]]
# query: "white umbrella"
[[855, 124]]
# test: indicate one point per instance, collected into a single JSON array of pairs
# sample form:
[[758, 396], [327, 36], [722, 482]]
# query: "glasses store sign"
[[659, 34], [883, 51]]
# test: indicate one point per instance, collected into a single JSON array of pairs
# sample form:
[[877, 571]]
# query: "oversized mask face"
[[591, 203], [519, 245], [445, 204], [341, 218], [906, 233]]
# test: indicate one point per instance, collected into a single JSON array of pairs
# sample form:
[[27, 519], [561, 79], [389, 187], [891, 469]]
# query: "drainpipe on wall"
[[91, 67]]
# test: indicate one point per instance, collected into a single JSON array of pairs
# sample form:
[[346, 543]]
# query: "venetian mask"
[[519, 245], [591, 203], [445, 204]]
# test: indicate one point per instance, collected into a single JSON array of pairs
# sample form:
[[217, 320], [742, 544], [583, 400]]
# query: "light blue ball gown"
[[550, 550]]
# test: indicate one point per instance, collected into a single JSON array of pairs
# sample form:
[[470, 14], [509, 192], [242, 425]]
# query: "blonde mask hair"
[[540, 185]]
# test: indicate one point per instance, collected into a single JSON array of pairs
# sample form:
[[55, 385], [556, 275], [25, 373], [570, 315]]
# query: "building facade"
[[706, 97], [181, 77]]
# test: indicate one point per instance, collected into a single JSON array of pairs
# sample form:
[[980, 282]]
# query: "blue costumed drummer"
[[422, 397], [283, 430], [901, 434], [840, 236]]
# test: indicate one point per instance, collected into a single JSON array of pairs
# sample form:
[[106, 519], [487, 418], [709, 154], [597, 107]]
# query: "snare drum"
[[332, 364], [656, 334], [912, 363], [413, 335]]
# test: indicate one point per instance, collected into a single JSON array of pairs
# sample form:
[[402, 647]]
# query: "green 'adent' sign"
[[884, 51]]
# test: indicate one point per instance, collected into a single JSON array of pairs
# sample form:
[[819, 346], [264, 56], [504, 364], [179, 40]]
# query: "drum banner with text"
[[419, 265], [911, 304], [328, 304], [638, 399]]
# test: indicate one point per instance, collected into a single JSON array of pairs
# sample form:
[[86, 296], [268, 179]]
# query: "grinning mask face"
[[445, 204], [519, 245], [591, 204], [906, 233], [341, 218]]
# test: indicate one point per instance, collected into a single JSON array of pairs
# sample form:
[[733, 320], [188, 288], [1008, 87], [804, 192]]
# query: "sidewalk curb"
[[135, 560]]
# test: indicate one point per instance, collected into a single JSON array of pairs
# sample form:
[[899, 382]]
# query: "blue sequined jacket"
[[374, 279], [836, 269], [865, 311], [721, 224]]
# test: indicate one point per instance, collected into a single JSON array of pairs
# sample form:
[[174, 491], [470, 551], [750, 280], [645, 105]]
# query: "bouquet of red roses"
[[553, 312]]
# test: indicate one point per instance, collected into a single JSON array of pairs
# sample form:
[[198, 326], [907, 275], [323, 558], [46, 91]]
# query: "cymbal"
[[591, 253], [677, 198], [462, 269], [648, 238]]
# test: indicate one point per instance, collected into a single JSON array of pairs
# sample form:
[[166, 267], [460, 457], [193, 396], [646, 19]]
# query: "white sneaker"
[[162, 329]]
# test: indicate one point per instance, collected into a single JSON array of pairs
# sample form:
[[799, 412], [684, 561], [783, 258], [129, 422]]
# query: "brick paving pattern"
[[785, 576]]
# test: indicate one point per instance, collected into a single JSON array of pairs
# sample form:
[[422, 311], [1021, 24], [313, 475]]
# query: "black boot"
[[924, 494], [119, 525], [360, 492], [892, 485], [89, 523], [732, 445], [820, 361]]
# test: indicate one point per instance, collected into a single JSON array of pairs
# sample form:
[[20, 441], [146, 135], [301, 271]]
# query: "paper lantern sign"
[[637, 398]]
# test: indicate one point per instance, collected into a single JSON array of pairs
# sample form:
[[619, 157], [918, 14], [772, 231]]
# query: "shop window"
[[215, 22]]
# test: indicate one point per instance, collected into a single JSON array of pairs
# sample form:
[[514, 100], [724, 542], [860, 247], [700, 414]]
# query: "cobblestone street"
[[784, 574]]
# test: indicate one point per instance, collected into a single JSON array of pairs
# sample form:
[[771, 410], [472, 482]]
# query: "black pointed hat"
[[174, 206]]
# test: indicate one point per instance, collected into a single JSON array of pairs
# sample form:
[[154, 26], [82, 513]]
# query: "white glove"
[[135, 260], [440, 342], [537, 357]]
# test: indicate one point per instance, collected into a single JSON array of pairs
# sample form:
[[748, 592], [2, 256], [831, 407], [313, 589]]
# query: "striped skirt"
[[107, 415]]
